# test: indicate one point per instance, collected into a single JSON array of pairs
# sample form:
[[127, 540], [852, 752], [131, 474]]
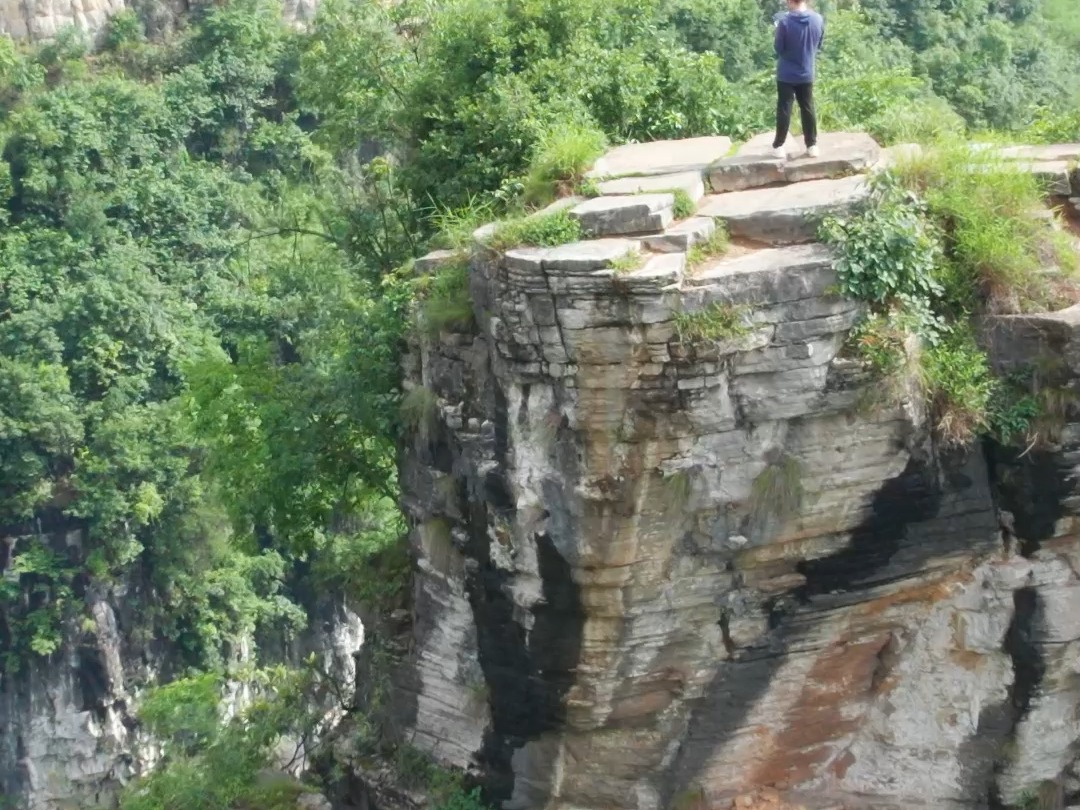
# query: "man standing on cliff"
[[796, 41]]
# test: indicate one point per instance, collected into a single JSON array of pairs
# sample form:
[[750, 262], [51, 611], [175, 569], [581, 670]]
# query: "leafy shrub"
[[718, 321], [122, 31], [545, 230], [961, 387], [887, 254], [563, 155]]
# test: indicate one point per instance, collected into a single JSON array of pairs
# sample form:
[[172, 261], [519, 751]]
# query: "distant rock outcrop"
[[37, 20]]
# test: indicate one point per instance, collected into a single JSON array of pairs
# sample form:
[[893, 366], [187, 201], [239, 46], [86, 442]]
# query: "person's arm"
[[821, 34], [778, 38]]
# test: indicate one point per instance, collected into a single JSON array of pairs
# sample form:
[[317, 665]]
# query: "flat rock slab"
[[1054, 151], [768, 277], [432, 261], [681, 236], [615, 216], [657, 271], [661, 157], [1055, 175], [691, 183], [787, 214], [753, 166]]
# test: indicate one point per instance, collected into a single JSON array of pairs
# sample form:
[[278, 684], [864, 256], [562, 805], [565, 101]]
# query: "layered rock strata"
[[660, 571]]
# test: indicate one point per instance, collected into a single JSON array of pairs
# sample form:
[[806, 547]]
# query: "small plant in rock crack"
[[627, 263], [777, 492], [419, 410], [700, 252], [588, 187], [684, 205], [677, 489], [445, 304], [718, 321]]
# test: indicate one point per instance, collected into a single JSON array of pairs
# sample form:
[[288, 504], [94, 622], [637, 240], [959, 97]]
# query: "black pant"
[[785, 94]]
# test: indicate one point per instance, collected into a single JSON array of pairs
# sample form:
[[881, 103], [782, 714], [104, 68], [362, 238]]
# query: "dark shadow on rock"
[[528, 674], [1032, 486], [922, 513], [983, 755]]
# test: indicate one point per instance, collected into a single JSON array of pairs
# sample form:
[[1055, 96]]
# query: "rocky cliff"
[[659, 571], [38, 20], [69, 735]]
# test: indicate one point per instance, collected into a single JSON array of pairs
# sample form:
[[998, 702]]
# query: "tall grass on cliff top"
[[1004, 254]]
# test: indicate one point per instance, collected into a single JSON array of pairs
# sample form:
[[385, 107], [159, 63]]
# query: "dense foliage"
[[204, 249], [198, 362]]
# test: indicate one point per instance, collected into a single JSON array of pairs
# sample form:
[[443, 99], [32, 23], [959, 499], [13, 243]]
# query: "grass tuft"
[[545, 230], [777, 492], [684, 206], [627, 263], [455, 226], [445, 304], [560, 161], [711, 248], [716, 322], [988, 209]]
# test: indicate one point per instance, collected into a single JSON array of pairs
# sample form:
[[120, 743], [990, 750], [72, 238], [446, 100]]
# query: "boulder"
[[788, 214], [753, 165]]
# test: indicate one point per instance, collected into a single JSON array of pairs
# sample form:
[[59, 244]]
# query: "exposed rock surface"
[[753, 165], [785, 214], [691, 183], [661, 157], [69, 737], [38, 20], [656, 572]]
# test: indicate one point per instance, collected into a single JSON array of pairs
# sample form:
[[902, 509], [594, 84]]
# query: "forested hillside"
[[205, 247]]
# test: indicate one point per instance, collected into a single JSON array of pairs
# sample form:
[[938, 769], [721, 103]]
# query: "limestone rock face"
[[38, 20], [658, 571], [69, 736]]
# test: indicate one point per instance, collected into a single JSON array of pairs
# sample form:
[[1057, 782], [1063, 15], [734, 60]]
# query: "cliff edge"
[[673, 546]]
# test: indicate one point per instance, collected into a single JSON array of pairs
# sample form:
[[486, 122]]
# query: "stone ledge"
[[660, 157], [788, 214], [753, 166], [616, 216]]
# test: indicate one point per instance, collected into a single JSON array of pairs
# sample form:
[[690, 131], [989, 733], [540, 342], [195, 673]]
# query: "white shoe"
[[812, 151], [779, 153]]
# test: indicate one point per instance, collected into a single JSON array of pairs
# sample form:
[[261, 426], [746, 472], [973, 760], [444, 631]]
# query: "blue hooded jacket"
[[797, 40]]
